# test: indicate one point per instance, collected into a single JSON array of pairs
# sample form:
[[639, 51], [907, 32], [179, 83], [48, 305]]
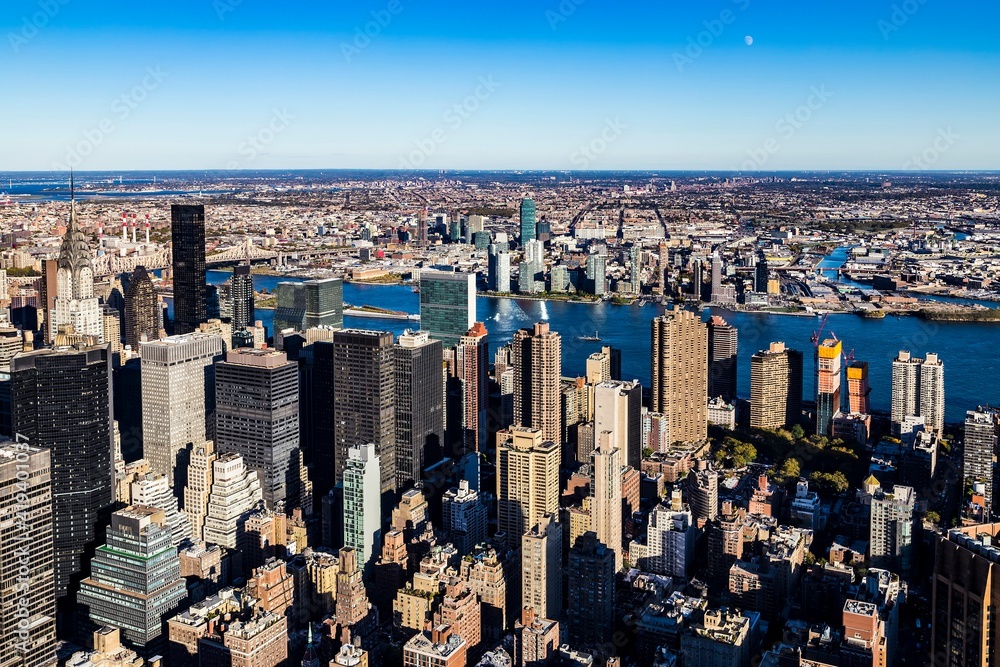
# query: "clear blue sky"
[[901, 79]]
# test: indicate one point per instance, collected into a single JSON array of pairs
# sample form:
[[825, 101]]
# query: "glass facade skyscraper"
[[447, 305], [310, 304], [528, 226], [187, 230]]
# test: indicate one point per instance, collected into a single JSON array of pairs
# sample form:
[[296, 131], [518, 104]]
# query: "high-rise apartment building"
[[234, 495], [447, 305], [498, 269], [364, 400], [187, 231], [775, 387], [135, 581], [241, 295], [591, 604], [604, 365], [537, 361], [918, 391], [141, 316], [419, 405], [680, 375], [542, 568], [257, 416], [61, 400], [178, 396], [606, 505], [527, 480], [892, 527], [618, 411], [464, 517], [27, 594], [966, 596], [703, 491], [722, 348], [472, 363], [111, 328], [200, 477], [362, 503], [982, 427], [671, 539], [828, 382], [75, 303], [528, 225]]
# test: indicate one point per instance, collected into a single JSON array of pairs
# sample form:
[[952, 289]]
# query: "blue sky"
[[542, 84]]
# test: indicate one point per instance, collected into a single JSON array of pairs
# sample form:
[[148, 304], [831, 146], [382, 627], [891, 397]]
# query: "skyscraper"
[[362, 504], [966, 595], [597, 274], [498, 275], [828, 380], [703, 491], [364, 400], [775, 387], [136, 580], [671, 538], [473, 362], [606, 510], [717, 296], [419, 405], [26, 558], [722, 349], [62, 401], [447, 305], [464, 517], [680, 375], [234, 495], [618, 412], [75, 303], [310, 304], [241, 293], [528, 226], [591, 604], [141, 316], [982, 426], [187, 230], [858, 389], [527, 480], [537, 360], [918, 390], [200, 477], [892, 526], [257, 416], [542, 568], [178, 397]]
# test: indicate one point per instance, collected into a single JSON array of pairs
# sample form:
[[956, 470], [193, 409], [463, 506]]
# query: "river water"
[[969, 350]]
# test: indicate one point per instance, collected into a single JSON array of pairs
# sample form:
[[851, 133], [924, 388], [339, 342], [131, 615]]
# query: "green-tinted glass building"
[[528, 227], [447, 305]]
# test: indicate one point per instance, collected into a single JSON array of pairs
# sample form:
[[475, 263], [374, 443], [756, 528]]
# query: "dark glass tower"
[[447, 305], [241, 292], [140, 309], [187, 228], [419, 406], [722, 348], [62, 400], [257, 416], [364, 399]]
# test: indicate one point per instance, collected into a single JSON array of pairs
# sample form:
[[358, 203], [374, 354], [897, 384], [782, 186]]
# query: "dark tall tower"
[[591, 574], [62, 400], [364, 399], [187, 228], [419, 405], [257, 416], [140, 309], [241, 292], [722, 348]]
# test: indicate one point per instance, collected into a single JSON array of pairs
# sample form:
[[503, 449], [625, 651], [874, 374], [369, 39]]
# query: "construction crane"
[[817, 335]]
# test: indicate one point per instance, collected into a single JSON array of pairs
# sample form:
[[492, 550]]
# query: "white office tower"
[[671, 539], [235, 494], [464, 517], [200, 475], [178, 397], [918, 391], [618, 411], [541, 568], [362, 503], [75, 303], [606, 511], [152, 490]]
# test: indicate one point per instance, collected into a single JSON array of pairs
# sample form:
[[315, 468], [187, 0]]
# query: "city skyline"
[[652, 87]]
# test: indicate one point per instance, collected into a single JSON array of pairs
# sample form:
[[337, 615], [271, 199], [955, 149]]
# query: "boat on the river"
[[596, 338]]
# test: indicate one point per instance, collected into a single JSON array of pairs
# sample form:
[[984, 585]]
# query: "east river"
[[968, 350]]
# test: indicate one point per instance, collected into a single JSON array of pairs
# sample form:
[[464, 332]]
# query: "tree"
[[798, 432], [790, 470], [932, 518]]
